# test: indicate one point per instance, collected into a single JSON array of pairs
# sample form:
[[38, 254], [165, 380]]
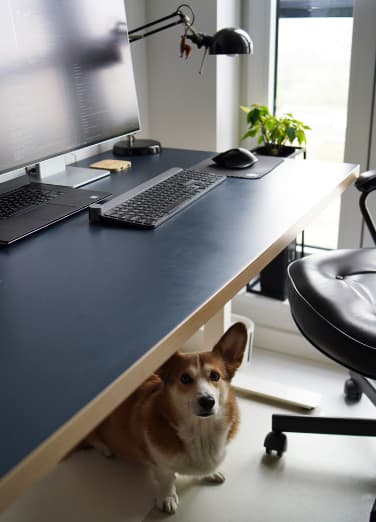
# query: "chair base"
[[276, 440], [355, 386]]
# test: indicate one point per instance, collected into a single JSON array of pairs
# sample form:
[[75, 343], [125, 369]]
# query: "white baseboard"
[[274, 327]]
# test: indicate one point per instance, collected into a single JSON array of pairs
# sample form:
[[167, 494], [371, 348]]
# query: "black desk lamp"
[[230, 41]]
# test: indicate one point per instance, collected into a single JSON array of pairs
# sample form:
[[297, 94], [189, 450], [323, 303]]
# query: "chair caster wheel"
[[275, 441], [352, 390]]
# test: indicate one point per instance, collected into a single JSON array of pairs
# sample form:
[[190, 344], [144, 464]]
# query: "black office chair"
[[333, 302]]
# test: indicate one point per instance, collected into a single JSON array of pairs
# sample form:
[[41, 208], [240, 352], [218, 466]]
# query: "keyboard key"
[[24, 198]]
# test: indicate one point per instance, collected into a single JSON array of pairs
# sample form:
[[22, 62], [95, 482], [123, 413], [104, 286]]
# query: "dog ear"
[[165, 370], [231, 347]]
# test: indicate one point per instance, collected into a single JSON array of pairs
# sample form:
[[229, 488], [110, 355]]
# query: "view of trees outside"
[[313, 67]]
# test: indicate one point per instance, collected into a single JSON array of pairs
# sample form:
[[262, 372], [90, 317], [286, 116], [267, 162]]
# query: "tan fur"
[[171, 425]]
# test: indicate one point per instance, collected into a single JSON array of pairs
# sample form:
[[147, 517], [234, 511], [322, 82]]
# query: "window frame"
[[360, 143]]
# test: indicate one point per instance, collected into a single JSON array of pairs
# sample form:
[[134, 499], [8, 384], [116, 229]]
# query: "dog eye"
[[186, 379], [214, 376]]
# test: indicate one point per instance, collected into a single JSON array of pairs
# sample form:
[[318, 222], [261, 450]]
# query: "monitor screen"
[[66, 78]]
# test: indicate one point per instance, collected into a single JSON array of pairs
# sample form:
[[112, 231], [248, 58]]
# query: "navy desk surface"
[[87, 312]]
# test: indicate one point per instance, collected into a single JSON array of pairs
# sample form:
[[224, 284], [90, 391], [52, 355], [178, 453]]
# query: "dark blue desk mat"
[[264, 165]]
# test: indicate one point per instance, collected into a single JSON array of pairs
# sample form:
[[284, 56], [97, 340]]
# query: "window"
[[312, 80]]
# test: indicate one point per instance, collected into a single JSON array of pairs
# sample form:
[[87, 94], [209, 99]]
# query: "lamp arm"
[[133, 36], [196, 37], [226, 41]]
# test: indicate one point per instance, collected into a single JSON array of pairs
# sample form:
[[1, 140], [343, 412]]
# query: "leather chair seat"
[[333, 301]]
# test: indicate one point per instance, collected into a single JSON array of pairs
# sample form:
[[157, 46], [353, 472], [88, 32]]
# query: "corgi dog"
[[180, 419]]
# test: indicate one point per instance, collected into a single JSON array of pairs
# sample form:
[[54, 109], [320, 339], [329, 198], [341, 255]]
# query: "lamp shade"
[[230, 41]]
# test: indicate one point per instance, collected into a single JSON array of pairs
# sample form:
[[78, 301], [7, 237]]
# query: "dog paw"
[[168, 504], [215, 478], [103, 450], [106, 452]]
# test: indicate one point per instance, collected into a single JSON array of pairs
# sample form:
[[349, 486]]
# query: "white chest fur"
[[204, 441]]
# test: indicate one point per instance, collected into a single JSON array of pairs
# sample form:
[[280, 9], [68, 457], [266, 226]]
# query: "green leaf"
[[271, 129], [301, 137], [245, 136], [291, 134]]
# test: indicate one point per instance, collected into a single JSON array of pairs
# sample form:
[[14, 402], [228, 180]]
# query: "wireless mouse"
[[237, 158]]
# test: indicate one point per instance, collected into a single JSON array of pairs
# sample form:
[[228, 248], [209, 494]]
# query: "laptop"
[[27, 206]]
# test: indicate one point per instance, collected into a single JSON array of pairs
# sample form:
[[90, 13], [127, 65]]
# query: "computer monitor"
[[66, 79]]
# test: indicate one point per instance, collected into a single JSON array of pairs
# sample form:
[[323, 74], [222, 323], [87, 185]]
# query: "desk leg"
[[216, 326]]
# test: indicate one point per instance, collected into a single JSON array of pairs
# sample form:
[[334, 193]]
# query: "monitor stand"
[[130, 146], [56, 172]]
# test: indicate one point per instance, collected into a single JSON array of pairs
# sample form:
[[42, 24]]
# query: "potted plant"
[[274, 133]]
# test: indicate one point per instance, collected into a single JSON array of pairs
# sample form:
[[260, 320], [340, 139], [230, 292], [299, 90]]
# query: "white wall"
[[186, 108], [182, 103]]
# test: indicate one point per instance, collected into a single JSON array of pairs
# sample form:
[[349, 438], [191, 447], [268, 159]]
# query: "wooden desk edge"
[[43, 459]]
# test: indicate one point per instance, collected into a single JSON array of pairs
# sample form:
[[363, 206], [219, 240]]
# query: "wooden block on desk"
[[112, 165]]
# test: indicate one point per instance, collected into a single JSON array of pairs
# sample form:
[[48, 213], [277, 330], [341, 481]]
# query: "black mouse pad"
[[264, 165]]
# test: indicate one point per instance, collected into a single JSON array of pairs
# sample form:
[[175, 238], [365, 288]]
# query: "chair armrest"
[[366, 181]]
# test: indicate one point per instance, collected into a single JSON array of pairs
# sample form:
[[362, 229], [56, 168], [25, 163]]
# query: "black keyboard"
[[157, 200], [24, 198]]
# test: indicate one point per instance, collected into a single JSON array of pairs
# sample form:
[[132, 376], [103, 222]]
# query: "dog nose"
[[206, 402]]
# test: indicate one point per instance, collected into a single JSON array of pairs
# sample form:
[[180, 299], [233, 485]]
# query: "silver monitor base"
[[74, 177], [55, 172]]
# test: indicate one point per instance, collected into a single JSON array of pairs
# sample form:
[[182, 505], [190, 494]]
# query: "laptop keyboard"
[[25, 198], [157, 200]]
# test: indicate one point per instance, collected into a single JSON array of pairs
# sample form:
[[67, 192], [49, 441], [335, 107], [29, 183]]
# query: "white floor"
[[320, 478]]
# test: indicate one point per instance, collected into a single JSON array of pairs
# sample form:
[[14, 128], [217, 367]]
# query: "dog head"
[[198, 383]]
